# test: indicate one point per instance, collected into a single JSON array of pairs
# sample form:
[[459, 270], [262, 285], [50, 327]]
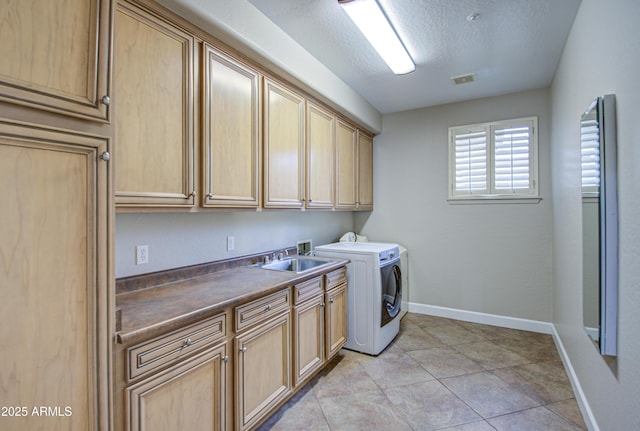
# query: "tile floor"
[[440, 374]]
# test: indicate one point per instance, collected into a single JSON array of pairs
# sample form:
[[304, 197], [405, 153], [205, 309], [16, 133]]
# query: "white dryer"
[[374, 292]]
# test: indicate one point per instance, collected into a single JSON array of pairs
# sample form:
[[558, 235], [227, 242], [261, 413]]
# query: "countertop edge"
[[130, 337]]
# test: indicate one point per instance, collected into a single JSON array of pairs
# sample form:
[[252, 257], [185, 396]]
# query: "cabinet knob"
[[243, 349], [225, 359], [105, 100], [209, 195], [322, 304], [267, 308], [105, 156], [331, 300], [188, 342], [193, 194]]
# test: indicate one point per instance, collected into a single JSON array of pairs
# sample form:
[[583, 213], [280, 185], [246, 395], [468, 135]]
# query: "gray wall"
[[177, 240], [602, 56], [489, 258]]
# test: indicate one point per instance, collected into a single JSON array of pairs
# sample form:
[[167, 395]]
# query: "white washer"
[[374, 292]]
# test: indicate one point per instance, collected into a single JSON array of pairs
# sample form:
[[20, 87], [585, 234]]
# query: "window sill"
[[493, 200]]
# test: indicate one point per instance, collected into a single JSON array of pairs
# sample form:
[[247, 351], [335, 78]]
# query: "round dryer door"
[[391, 279]]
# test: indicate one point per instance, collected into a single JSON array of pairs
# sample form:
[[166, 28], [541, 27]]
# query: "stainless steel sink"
[[293, 264]]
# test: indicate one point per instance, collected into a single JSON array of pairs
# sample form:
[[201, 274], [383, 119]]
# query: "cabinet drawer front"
[[262, 309], [307, 290], [144, 358], [336, 278]]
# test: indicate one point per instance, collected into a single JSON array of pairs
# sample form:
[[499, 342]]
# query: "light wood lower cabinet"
[[189, 396], [54, 281], [262, 369], [308, 347], [336, 306]]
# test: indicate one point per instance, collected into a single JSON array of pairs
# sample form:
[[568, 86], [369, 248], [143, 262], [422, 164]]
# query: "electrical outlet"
[[142, 254], [231, 243]]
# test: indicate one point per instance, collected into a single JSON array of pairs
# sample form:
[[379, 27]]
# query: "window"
[[497, 160], [590, 155]]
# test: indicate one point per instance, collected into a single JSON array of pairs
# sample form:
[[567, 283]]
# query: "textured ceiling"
[[513, 45]]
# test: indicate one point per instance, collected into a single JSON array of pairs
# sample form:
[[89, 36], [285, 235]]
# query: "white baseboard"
[[587, 414], [524, 325], [484, 318]]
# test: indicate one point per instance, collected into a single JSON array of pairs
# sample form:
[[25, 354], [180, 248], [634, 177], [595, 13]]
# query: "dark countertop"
[[157, 310]]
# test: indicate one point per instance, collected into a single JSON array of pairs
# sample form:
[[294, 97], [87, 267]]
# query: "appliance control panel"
[[390, 254]]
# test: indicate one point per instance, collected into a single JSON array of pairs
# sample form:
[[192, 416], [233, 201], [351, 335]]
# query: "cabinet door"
[[54, 251], [336, 306], [320, 157], [263, 370], [231, 132], [365, 172], [55, 55], [153, 102], [346, 156], [308, 324], [189, 396], [283, 147]]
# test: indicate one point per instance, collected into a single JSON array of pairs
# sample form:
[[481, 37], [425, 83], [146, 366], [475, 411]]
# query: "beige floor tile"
[[490, 355], [344, 377], [532, 420], [365, 411], [429, 406], [302, 412], [445, 362], [532, 348], [473, 426], [525, 373], [396, 370], [545, 382], [415, 338], [490, 332], [570, 411], [488, 395], [453, 334], [423, 320]]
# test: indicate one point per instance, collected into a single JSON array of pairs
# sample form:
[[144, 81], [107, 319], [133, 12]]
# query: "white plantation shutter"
[[471, 162], [495, 160], [590, 150], [512, 161]]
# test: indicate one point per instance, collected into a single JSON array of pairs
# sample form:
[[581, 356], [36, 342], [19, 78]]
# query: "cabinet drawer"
[[146, 357], [262, 309], [336, 278], [307, 290]]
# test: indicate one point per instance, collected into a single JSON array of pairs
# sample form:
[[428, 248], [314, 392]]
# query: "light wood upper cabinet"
[[284, 146], [55, 55], [231, 132], [153, 97], [189, 396], [54, 249], [346, 167], [365, 172], [320, 157]]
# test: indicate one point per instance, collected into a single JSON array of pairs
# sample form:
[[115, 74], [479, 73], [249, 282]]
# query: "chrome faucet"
[[280, 254]]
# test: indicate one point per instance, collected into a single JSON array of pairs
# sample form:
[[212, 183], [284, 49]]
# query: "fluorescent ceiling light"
[[372, 22]]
